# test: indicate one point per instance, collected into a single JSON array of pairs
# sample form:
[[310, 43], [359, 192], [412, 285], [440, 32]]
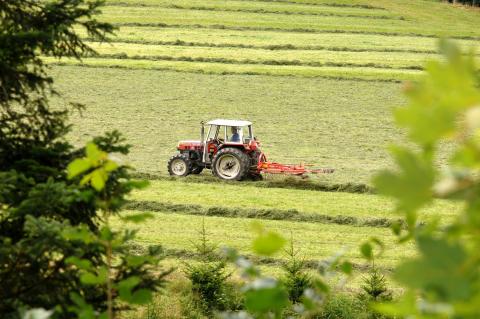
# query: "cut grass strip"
[[249, 7], [315, 241], [265, 21], [330, 3], [183, 254], [336, 73], [288, 202], [278, 181], [178, 42], [115, 14], [268, 3], [280, 40], [263, 214], [352, 31], [319, 58], [123, 55]]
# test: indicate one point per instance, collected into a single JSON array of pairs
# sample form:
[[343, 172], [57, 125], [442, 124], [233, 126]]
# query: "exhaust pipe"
[[202, 140]]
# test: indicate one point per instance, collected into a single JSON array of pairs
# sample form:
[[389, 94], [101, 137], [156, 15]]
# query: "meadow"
[[318, 78]]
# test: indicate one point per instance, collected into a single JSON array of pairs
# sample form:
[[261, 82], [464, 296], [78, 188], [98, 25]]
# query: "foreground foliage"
[[57, 250], [444, 280]]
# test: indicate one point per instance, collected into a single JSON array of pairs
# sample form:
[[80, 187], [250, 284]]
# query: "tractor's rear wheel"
[[231, 164], [179, 165]]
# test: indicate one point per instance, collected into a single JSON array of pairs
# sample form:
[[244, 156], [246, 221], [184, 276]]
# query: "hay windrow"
[[254, 213]]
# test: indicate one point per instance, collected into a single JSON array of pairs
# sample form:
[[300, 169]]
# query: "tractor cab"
[[226, 133]]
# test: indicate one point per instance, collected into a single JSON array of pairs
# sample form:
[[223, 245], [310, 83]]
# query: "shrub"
[[209, 284], [295, 280], [375, 287], [209, 277]]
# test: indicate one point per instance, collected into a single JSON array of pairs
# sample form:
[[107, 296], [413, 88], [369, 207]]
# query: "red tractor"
[[231, 151]]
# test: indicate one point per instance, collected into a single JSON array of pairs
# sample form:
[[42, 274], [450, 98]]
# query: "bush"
[[295, 279], [209, 278], [375, 287]]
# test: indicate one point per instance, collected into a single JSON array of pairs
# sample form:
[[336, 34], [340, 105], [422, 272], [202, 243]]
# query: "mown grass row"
[[262, 214], [190, 254], [248, 201], [124, 55], [273, 47], [272, 21], [339, 30], [269, 182], [320, 58], [288, 11], [329, 3], [315, 241], [267, 21], [322, 4], [279, 40], [361, 74]]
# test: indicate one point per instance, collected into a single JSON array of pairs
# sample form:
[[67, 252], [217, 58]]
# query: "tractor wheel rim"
[[228, 166], [179, 167]]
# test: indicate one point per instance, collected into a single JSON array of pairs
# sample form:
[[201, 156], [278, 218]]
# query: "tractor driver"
[[235, 134]]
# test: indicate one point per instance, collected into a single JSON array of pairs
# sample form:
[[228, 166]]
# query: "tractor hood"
[[189, 145]]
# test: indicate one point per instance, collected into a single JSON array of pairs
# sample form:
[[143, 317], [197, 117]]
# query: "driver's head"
[[234, 129]]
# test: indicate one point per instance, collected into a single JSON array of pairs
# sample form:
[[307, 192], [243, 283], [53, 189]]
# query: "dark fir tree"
[[41, 266]]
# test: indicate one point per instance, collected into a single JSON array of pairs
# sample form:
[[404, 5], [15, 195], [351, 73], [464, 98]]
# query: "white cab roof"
[[229, 122]]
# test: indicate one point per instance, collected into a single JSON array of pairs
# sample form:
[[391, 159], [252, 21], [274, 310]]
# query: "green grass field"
[[318, 78], [318, 121]]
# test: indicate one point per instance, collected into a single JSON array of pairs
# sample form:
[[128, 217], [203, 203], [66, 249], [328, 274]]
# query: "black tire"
[[231, 164], [196, 169], [179, 165]]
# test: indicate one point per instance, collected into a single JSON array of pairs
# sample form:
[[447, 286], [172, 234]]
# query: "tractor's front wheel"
[[231, 164], [179, 165]]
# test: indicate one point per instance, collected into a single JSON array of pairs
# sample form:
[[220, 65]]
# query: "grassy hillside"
[[328, 123], [318, 78]]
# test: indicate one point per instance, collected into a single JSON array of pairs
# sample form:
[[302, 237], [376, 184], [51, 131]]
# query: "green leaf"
[[320, 285], [346, 267], [405, 306], [412, 184], [89, 278], [77, 167], [367, 250], [79, 233], [141, 297], [125, 287], [94, 154], [396, 228], [268, 243], [440, 270], [110, 166], [98, 179], [265, 295], [135, 261], [80, 263]]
